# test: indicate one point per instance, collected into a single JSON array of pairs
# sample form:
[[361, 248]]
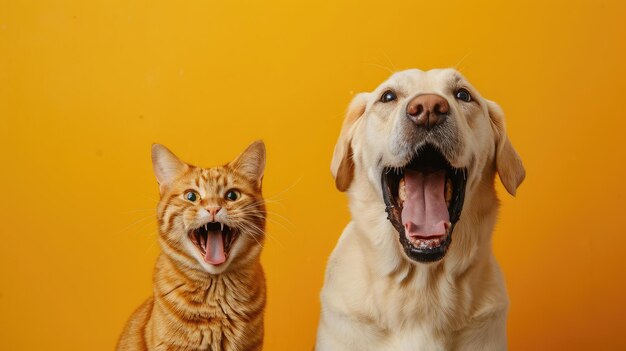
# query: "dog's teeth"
[[205, 227], [222, 224]]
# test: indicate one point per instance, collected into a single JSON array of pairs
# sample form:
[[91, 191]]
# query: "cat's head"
[[211, 219]]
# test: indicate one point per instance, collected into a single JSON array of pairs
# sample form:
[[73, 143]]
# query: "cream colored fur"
[[375, 297]]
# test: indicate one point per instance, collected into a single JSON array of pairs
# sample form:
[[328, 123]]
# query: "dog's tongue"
[[424, 213], [214, 247]]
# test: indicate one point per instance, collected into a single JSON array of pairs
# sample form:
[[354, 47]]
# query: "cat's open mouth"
[[214, 240], [424, 201]]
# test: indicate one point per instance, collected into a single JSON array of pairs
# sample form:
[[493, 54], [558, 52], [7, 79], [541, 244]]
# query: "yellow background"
[[87, 86]]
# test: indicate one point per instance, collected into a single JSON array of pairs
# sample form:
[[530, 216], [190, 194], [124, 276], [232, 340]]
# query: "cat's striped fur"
[[197, 305]]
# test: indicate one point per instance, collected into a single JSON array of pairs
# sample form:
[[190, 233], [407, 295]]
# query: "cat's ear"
[[251, 162], [167, 167]]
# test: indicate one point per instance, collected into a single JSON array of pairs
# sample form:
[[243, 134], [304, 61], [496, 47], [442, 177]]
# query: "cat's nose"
[[213, 210]]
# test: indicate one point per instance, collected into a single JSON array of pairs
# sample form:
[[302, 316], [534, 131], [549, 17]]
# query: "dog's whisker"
[[380, 66], [461, 61]]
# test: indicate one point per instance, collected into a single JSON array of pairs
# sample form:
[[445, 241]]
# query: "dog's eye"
[[463, 95], [232, 195], [388, 96], [191, 195]]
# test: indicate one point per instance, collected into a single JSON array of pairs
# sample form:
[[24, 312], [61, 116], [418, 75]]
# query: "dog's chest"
[[418, 309], [416, 331], [415, 319], [415, 339]]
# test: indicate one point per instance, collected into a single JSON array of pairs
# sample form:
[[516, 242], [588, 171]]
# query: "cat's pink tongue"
[[214, 248], [424, 213]]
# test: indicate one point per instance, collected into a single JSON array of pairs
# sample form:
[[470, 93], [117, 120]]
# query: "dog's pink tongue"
[[424, 213], [214, 248]]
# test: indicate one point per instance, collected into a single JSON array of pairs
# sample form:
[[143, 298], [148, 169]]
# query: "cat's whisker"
[[251, 227], [256, 204], [272, 214], [146, 233], [259, 204], [288, 225], [152, 245], [142, 219], [256, 209], [244, 230], [275, 239], [274, 201], [150, 198], [267, 201], [256, 230], [271, 220], [273, 197], [281, 217], [140, 210]]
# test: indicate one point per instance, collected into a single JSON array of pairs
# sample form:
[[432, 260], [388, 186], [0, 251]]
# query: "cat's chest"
[[211, 326], [207, 312]]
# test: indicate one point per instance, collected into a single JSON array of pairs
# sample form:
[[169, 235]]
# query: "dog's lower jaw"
[[369, 216]]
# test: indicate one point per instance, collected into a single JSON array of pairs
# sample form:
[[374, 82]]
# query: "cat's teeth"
[[205, 227], [222, 226]]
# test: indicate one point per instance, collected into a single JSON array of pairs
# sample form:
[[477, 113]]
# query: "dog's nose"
[[427, 110]]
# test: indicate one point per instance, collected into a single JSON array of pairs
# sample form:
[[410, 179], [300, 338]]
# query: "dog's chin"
[[433, 173]]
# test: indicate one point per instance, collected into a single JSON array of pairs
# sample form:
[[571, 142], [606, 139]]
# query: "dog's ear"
[[342, 165], [508, 162]]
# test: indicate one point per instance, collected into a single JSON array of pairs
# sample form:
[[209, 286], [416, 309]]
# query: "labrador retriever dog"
[[414, 269]]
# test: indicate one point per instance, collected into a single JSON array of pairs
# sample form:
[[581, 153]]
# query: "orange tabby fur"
[[197, 305]]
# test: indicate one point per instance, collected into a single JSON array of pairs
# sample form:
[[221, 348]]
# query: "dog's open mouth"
[[214, 241], [424, 201]]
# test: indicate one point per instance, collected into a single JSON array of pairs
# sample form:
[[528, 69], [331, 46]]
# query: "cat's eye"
[[232, 195], [463, 95], [191, 195], [388, 96]]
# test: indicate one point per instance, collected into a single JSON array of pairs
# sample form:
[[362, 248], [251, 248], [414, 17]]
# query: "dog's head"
[[425, 141]]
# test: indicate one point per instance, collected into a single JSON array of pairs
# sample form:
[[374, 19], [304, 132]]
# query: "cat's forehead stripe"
[[214, 179]]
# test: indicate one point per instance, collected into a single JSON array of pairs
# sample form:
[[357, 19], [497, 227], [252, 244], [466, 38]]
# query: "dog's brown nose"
[[427, 110]]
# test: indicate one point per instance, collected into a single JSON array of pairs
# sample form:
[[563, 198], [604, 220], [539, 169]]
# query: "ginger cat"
[[209, 287]]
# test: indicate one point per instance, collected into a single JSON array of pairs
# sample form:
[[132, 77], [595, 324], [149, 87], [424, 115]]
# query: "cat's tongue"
[[424, 213], [214, 248]]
